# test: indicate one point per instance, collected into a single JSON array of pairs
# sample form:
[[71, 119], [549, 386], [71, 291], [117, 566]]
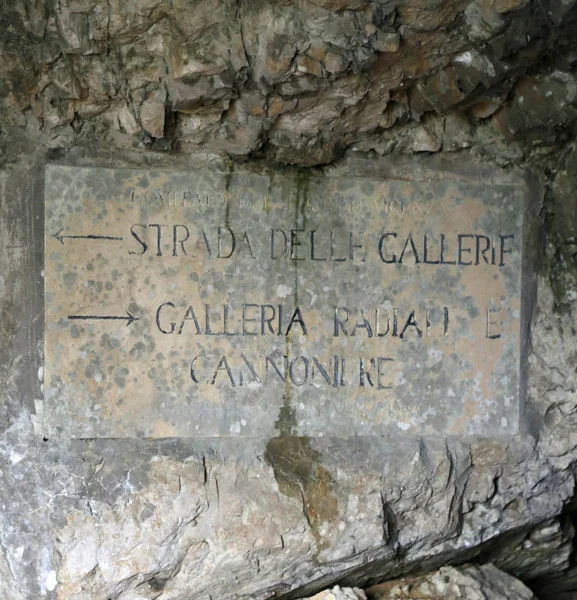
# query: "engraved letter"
[[503, 249], [443, 247], [272, 243], [190, 316], [483, 252], [380, 364], [203, 239], [333, 254], [295, 244], [363, 323], [426, 253], [192, 371], [268, 320], [247, 241], [138, 239], [322, 370], [176, 241], [253, 373], [414, 250], [352, 247], [305, 376], [270, 361], [411, 322], [337, 321], [246, 319], [381, 242], [158, 237], [462, 250], [223, 366], [232, 242], [492, 335], [313, 257], [363, 373], [297, 318], [172, 324], [378, 323], [225, 330]]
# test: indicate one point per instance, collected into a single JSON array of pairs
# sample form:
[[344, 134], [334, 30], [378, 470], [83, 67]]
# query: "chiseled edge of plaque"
[[376, 170]]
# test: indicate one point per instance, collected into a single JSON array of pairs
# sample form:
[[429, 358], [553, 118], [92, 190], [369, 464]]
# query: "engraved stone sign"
[[207, 303]]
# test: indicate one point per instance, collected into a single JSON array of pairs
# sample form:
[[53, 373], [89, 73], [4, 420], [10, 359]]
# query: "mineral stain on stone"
[[299, 474], [227, 183], [69, 279]]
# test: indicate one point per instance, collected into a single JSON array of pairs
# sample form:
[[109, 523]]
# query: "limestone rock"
[[152, 114], [427, 16], [425, 141], [538, 105], [559, 10], [483, 20], [340, 4], [278, 42], [386, 42], [205, 92], [482, 110], [450, 583], [56, 111], [339, 593], [127, 121], [335, 62], [503, 6], [206, 54]]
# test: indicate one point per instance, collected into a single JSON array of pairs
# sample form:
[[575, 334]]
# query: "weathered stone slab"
[[208, 304]]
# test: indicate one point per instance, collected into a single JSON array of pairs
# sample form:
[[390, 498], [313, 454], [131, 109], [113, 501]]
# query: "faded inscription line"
[[61, 238], [129, 318]]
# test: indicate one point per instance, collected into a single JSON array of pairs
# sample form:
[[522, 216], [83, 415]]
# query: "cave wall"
[[292, 85]]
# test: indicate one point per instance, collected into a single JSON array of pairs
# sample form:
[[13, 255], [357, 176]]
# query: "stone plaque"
[[207, 304]]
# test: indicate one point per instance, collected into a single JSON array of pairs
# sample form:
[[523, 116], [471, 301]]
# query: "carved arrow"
[[129, 319], [61, 237]]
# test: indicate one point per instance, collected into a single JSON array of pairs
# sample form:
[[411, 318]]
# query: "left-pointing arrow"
[[129, 319], [61, 237]]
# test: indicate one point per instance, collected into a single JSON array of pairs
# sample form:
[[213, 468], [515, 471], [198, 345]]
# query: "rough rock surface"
[[294, 81], [302, 83], [473, 583], [338, 593]]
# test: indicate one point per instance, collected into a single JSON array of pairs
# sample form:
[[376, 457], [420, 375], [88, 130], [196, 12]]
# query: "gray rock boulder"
[[449, 583]]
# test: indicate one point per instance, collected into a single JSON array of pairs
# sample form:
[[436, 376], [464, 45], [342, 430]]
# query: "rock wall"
[[156, 82], [294, 82]]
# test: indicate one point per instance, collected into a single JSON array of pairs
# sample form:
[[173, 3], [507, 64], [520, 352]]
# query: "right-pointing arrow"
[[129, 319]]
